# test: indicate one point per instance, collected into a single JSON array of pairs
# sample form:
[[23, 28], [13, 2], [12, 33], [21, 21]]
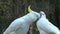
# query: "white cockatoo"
[[45, 26], [21, 25]]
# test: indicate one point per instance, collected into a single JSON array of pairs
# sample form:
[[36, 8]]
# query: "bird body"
[[42, 31], [21, 25], [46, 26]]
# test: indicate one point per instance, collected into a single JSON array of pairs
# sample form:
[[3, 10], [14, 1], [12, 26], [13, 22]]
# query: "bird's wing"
[[43, 32], [13, 32], [13, 27], [47, 26]]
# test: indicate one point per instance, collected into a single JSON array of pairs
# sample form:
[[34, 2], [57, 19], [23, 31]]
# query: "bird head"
[[31, 11], [42, 14]]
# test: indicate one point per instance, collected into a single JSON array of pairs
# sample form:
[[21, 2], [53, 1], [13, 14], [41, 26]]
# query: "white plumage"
[[46, 27], [21, 25]]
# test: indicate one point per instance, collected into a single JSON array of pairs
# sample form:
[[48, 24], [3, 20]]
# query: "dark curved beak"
[[40, 15]]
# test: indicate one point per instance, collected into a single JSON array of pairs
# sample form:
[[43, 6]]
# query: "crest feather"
[[29, 9]]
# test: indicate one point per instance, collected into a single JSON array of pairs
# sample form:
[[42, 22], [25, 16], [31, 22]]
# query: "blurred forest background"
[[12, 9]]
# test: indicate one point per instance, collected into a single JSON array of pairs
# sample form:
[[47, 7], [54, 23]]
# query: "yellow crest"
[[29, 9]]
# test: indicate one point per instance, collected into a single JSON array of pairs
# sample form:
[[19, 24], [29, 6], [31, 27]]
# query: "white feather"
[[46, 26], [21, 25]]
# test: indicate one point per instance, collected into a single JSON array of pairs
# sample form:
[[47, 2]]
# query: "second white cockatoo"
[[45, 26], [21, 25]]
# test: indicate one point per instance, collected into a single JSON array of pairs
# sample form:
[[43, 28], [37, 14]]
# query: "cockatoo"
[[45, 26], [21, 25]]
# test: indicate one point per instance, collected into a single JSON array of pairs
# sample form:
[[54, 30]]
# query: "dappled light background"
[[12, 9]]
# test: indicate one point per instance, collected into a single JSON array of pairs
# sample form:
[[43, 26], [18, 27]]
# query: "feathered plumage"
[[45, 26], [21, 25]]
